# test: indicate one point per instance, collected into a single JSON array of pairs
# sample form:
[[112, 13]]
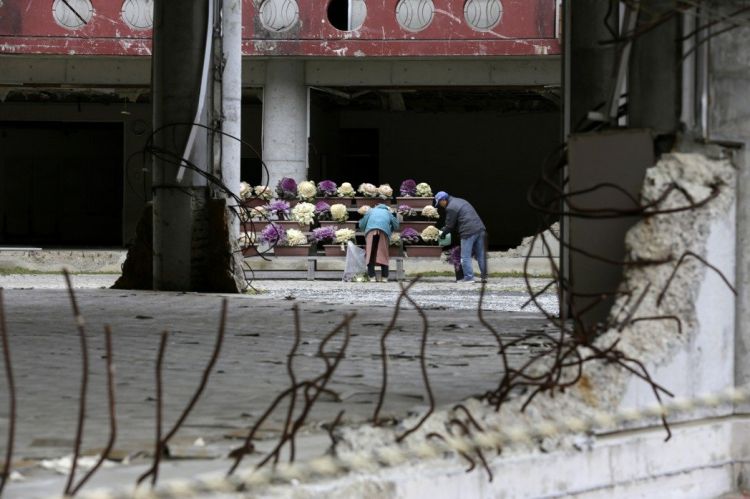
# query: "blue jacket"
[[461, 216], [379, 217]]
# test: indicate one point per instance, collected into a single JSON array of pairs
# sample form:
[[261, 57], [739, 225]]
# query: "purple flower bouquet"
[[327, 188], [279, 208], [273, 234], [287, 188], [408, 188], [323, 235], [410, 236]]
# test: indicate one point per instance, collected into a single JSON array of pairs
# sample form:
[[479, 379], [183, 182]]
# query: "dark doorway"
[[61, 184], [359, 157]]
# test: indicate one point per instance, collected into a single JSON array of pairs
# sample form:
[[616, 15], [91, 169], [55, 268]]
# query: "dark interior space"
[[62, 184], [486, 145]]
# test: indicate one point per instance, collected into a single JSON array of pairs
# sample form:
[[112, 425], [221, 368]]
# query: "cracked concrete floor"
[[251, 369]]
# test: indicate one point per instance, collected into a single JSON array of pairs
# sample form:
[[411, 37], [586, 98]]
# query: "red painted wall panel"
[[527, 27]]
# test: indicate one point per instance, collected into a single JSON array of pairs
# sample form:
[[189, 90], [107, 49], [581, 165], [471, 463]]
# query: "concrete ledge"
[[83, 261]]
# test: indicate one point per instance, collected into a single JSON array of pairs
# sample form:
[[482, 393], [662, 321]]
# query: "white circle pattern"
[[415, 15], [79, 16], [483, 15], [138, 14], [279, 15]]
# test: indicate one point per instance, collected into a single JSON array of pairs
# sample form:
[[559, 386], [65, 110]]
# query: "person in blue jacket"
[[378, 224], [461, 216]]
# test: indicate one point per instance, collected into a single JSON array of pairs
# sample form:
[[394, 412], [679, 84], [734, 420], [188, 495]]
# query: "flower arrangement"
[[430, 234], [273, 234], [454, 257], [405, 210], [322, 210], [245, 190], [409, 236], [306, 190], [258, 213], [279, 207], [385, 191], [246, 239], [346, 190], [303, 213], [295, 237], [263, 192], [363, 210], [344, 235], [327, 188], [430, 212], [408, 188], [323, 235], [424, 190], [339, 213], [396, 239], [287, 188], [368, 190]]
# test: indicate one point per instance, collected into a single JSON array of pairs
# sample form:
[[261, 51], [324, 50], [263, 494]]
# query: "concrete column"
[[178, 48], [285, 114], [231, 103], [654, 83]]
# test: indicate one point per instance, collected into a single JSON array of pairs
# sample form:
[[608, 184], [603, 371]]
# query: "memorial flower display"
[[327, 188], [279, 208], [368, 190], [430, 212], [306, 190], [344, 235], [323, 235], [339, 213], [405, 210], [431, 234], [424, 190], [295, 237], [273, 234], [408, 188], [385, 191], [245, 190], [346, 190], [287, 188], [323, 210], [303, 213], [363, 209], [263, 192], [409, 236]]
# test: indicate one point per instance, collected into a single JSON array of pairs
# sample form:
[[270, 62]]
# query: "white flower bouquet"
[[424, 190], [385, 191], [430, 212], [339, 213], [295, 237], [307, 190], [303, 213], [247, 239], [396, 239], [430, 234], [346, 190], [344, 235], [245, 190], [363, 209], [368, 190], [258, 213], [263, 192]]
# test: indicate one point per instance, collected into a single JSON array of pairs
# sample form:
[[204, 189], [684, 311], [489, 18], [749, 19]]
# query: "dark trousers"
[[373, 257]]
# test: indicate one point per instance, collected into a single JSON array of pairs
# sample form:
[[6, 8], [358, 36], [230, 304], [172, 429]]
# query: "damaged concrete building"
[[635, 112]]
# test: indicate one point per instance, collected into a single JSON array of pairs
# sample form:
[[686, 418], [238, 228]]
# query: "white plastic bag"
[[355, 262]]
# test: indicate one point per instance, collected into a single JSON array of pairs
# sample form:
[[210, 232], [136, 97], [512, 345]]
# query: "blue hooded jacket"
[[379, 217]]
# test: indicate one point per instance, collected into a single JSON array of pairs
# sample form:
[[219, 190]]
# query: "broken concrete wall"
[[700, 357]]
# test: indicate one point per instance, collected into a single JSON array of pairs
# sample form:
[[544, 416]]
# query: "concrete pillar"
[[231, 100], [178, 49], [285, 118], [589, 65]]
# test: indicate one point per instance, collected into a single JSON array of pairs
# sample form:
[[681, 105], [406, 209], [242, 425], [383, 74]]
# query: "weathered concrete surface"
[[75, 260]]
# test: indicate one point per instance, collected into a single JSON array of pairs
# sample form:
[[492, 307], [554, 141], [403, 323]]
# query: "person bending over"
[[378, 224], [461, 216]]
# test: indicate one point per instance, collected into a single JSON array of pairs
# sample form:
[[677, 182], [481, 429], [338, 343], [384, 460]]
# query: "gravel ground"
[[502, 295]]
